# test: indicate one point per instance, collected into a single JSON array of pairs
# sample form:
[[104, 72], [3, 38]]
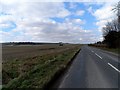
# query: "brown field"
[[34, 66], [21, 52]]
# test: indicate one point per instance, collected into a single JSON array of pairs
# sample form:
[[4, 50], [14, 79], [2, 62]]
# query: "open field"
[[24, 51], [34, 66]]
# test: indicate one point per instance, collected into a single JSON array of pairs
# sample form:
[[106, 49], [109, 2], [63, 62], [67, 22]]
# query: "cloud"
[[43, 10], [78, 21], [63, 13], [80, 12], [75, 21], [94, 1], [72, 5], [103, 14], [7, 25], [49, 31], [90, 10], [33, 23]]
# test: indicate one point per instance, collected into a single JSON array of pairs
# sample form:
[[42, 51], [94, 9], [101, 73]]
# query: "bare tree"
[[111, 31], [117, 9], [110, 26]]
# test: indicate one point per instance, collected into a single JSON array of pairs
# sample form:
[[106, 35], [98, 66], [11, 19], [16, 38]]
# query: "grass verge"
[[35, 72], [114, 50]]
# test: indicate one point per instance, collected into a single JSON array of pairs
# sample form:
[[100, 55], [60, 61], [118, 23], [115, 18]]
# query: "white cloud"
[[5, 25], [80, 12], [34, 23], [78, 21], [72, 5], [81, 39], [43, 10], [90, 9], [101, 24], [63, 13], [103, 14], [49, 31], [96, 1]]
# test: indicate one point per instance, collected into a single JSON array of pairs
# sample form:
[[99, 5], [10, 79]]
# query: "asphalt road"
[[93, 68]]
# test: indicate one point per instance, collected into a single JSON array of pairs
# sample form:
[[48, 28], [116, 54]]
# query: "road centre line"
[[98, 56], [114, 67]]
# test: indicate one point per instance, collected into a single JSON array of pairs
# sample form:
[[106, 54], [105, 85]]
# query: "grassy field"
[[34, 66]]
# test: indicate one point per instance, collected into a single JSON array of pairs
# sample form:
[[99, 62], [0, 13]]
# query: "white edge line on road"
[[114, 67], [64, 80], [98, 56], [93, 51]]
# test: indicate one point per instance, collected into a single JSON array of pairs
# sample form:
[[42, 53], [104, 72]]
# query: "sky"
[[68, 21]]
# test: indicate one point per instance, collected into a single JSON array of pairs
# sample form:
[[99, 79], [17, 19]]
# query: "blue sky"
[[69, 22]]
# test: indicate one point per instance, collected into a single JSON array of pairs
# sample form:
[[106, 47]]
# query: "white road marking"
[[64, 80], [93, 51], [98, 56], [114, 67]]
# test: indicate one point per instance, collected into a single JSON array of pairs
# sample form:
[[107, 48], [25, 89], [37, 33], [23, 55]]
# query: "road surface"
[[93, 68]]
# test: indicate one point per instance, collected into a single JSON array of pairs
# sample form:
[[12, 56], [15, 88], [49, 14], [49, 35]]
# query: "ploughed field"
[[34, 66]]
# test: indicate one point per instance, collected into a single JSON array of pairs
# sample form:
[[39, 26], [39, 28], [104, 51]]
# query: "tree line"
[[111, 31]]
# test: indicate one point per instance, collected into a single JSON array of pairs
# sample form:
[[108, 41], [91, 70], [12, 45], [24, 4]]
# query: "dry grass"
[[38, 68]]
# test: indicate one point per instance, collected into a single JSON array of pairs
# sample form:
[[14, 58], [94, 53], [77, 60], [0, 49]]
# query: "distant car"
[[60, 44]]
